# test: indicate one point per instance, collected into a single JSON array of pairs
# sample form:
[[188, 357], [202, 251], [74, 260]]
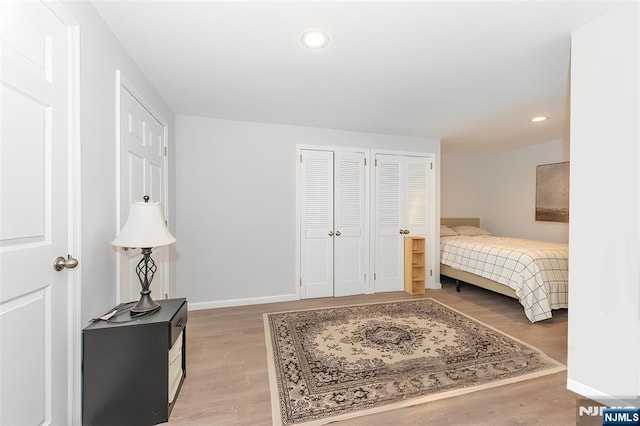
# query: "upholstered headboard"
[[460, 221]]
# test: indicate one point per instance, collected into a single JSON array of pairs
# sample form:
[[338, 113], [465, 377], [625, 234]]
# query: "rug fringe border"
[[271, 371]]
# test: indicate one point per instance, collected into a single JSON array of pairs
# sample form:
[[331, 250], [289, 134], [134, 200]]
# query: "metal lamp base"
[[146, 305], [145, 270]]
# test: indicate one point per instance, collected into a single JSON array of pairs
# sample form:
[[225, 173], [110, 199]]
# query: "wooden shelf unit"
[[414, 265]]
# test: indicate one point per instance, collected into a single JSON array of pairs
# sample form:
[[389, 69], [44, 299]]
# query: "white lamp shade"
[[145, 228]]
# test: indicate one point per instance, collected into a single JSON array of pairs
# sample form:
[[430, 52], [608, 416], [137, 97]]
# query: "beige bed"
[[466, 276], [533, 272]]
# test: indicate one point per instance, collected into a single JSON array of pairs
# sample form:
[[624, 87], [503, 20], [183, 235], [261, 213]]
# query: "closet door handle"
[[331, 233], [338, 233], [406, 232]]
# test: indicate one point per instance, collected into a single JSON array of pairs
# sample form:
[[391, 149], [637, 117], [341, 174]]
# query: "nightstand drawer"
[[178, 323], [175, 368]]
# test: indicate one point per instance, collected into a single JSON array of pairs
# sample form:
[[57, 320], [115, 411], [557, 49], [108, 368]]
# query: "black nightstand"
[[132, 371]]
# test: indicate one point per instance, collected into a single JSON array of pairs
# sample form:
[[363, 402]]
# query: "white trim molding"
[[594, 394], [242, 302]]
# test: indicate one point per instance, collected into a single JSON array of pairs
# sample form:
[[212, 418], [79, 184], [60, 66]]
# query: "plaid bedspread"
[[536, 270]]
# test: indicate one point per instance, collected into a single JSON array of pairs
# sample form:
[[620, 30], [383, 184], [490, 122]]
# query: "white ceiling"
[[470, 73]]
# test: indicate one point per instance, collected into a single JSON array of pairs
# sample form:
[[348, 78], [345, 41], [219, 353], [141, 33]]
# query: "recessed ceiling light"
[[314, 39], [539, 118]]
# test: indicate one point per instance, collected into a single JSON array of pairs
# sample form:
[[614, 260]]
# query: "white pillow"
[[445, 231], [471, 231]]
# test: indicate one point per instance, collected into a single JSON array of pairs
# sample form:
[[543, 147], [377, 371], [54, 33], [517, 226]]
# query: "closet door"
[[349, 219], [416, 215], [333, 246], [400, 209], [389, 216], [316, 245]]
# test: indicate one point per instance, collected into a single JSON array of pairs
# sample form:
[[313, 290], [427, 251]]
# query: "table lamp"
[[145, 229]]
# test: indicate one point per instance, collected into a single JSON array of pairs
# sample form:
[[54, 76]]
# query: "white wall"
[[604, 295], [500, 189], [236, 184], [101, 55]]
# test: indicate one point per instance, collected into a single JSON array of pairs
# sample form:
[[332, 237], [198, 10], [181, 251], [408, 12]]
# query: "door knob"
[[338, 233], [331, 233], [406, 232], [60, 263]]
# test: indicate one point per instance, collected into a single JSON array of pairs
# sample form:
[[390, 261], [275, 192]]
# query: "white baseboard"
[[196, 306], [594, 394], [435, 286]]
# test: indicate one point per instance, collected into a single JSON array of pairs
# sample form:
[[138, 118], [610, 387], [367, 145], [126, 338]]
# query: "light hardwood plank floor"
[[227, 382]]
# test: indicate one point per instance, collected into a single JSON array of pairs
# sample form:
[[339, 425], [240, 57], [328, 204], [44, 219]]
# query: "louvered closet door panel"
[[390, 197], [349, 219], [417, 184], [316, 251]]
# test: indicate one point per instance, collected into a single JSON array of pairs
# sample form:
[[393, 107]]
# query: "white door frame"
[[367, 174], [74, 297], [122, 83], [432, 246]]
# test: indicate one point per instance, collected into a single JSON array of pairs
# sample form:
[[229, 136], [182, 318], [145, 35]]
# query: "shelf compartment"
[[414, 265]]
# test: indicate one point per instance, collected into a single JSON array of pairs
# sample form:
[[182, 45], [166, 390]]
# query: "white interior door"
[[34, 215], [389, 217], [333, 246], [400, 205], [142, 172], [417, 184], [316, 245], [350, 241]]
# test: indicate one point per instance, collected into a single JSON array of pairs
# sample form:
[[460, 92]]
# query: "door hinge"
[[430, 272], [165, 151], [375, 276], [300, 158], [376, 163], [431, 166], [365, 162], [300, 282], [365, 277]]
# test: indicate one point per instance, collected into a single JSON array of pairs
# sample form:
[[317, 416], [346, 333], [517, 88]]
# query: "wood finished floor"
[[227, 382]]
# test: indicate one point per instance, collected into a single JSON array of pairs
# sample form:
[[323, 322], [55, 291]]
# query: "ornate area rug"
[[335, 363]]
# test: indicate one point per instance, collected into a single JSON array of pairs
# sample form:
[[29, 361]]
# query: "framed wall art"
[[552, 192]]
